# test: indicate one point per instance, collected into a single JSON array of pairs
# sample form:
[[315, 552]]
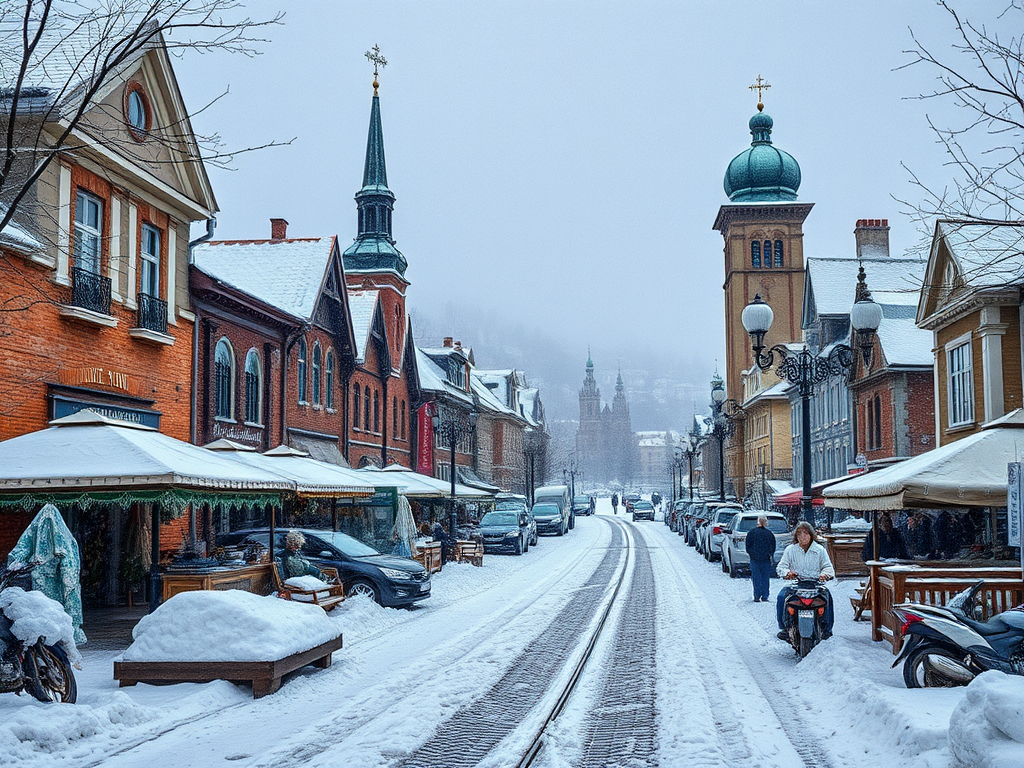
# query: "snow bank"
[[986, 729], [35, 615], [228, 626]]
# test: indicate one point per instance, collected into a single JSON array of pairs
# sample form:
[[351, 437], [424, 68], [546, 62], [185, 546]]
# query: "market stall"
[[130, 496]]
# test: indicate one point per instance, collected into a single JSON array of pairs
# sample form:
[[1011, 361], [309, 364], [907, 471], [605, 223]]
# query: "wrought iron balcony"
[[90, 291], [152, 313]]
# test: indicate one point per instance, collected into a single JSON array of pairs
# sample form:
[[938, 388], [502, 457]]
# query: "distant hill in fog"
[[661, 387]]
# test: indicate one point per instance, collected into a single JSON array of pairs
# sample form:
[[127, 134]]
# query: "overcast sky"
[[561, 163]]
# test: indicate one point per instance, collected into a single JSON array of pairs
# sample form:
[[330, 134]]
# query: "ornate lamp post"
[[451, 429], [725, 411], [690, 452], [569, 477], [807, 370], [531, 448]]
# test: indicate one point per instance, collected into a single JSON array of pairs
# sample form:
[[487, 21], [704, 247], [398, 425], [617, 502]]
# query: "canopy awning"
[[468, 477], [970, 472], [87, 451], [424, 486], [792, 498], [309, 476]]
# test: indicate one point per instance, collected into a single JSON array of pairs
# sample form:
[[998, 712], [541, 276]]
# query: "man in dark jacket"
[[441, 536], [761, 549], [890, 542]]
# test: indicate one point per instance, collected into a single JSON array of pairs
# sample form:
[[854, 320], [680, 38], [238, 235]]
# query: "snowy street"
[[686, 672]]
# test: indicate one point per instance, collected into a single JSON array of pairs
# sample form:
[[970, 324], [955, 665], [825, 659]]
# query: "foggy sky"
[[560, 164]]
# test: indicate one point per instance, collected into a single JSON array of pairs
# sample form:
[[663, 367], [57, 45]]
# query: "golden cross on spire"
[[378, 61], [760, 86]]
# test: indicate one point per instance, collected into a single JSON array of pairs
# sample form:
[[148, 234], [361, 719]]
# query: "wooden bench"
[[265, 676], [335, 590], [862, 602], [468, 552]]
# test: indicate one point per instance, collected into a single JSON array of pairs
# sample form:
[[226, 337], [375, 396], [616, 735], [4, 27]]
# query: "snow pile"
[[987, 727], [231, 625], [35, 615], [308, 584], [853, 524]]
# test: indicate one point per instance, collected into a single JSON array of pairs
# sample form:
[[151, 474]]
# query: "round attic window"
[[137, 111]]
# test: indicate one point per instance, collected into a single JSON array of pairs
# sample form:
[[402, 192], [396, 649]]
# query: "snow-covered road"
[[686, 672]]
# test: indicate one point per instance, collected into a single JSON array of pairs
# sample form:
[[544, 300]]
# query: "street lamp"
[[690, 452], [531, 448], [452, 428], [725, 411], [807, 370], [569, 477]]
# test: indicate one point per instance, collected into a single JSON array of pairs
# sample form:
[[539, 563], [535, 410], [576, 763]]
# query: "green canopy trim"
[[173, 502]]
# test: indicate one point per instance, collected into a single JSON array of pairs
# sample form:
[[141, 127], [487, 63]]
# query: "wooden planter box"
[[265, 676], [429, 556], [844, 550]]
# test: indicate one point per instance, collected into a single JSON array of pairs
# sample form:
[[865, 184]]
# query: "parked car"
[[582, 505], [694, 516], [550, 519], [643, 510], [734, 554], [519, 506], [506, 530], [675, 517], [390, 580], [710, 534], [557, 494]]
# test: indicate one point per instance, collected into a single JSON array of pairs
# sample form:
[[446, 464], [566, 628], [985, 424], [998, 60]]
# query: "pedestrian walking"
[[761, 548], [615, 503]]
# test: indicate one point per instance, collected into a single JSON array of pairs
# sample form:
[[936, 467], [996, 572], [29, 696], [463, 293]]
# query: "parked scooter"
[[804, 614], [945, 646], [42, 670]]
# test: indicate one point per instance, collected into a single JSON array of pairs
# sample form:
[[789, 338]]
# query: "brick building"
[[971, 302], [446, 390], [501, 429]]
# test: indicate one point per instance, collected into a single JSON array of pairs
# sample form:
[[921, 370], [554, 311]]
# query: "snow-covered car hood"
[[392, 561], [492, 530]]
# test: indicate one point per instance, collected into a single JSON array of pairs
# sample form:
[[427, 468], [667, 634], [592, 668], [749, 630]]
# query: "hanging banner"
[[424, 440], [1014, 504]]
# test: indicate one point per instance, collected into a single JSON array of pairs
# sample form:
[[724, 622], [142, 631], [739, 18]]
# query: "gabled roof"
[[287, 274], [434, 379], [530, 406], [902, 342], [830, 283], [362, 305]]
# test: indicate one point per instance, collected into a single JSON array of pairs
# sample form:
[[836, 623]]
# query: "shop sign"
[[1014, 504], [424, 441], [236, 432], [97, 376], [65, 407]]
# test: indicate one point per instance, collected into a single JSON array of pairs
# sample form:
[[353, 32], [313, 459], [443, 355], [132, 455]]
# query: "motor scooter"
[[804, 614], [43, 670], [948, 646]]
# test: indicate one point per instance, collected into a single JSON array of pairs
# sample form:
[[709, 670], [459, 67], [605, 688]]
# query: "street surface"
[[685, 672]]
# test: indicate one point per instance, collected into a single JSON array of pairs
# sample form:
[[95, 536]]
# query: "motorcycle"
[[946, 646], [804, 614], [43, 670]]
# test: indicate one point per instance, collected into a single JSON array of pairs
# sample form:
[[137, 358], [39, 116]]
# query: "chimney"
[[278, 229], [872, 238], [458, 345], [447, 342]]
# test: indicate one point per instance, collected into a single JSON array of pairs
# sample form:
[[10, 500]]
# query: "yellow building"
[[767, 445]]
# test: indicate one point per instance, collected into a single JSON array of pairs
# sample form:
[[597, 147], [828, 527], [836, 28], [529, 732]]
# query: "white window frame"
[[85, 232], [960, 412], [150, 277]]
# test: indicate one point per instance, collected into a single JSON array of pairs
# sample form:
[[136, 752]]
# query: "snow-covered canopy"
[[308, 475], [969, 472], [89, 451], [419, 486]]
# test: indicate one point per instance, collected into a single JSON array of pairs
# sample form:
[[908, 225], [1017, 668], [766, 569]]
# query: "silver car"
[[711, 533], [734, 552]]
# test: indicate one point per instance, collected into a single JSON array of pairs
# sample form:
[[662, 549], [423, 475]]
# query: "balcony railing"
[[152, 313], [90, 291]]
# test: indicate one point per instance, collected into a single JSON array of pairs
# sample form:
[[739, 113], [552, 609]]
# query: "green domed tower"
[[762, 226]]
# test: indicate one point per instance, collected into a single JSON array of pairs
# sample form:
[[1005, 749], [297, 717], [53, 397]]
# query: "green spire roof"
[[762, 173], [619, 386], [590, 362], [374, 249]]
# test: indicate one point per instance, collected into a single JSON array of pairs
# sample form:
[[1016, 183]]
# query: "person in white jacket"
[[805, 558]]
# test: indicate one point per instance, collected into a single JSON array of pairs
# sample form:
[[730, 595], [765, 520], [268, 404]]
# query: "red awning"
[[792, 498]]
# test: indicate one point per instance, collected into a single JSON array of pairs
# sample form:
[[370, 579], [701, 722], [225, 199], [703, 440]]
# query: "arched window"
[[253, 388], [778, 253], [302, 370], [878, 421], [394, 417], [355, 406], [755, 254], [402, 422], [329, 379], [376, 411], [318, 359], [366, 408], [224, 379], [767, 263]]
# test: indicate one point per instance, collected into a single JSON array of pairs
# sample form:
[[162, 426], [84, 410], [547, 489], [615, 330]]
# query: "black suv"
[[390, 580], [506, 530], [643, 510]]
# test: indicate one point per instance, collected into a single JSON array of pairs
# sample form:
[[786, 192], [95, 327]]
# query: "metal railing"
[[90, 291], [152, 313]]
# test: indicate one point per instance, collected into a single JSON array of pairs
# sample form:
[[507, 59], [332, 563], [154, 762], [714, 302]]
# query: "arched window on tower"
[[778, 253], [767, 261], [224, 380], [355, 406], [317, 366], [755, 254], [253, 388]]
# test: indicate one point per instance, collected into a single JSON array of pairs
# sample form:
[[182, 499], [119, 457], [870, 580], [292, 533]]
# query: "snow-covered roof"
[[776, 390], [487, 398], [417, 485], [17, 238], [434, 379], [989, 255], [286, 274], [903, 343], [652, 442], [528, 398], [834, 281], [361, 305], [89, 451]]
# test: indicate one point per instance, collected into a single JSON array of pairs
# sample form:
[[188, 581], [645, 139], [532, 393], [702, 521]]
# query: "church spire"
[[374, 249]]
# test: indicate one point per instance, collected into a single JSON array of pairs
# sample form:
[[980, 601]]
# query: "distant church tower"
[[763, 231], [606, 447], [588, 436]]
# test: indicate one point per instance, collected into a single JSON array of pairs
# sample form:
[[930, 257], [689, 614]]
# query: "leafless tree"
[[982, 75], [56, 56]]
